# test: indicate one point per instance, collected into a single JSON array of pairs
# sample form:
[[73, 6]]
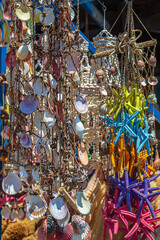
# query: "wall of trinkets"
[[78, 142]]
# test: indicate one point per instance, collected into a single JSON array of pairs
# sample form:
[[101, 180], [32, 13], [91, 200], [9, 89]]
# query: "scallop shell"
[[66, 233], [23, 12], [38, 86], [26, 140], [36, 207], [91, 185], [49, 19], [35, 174], [11, 184], [83, 204], [58, 208], [81, 105], [5, 212], [23, 174], [63, 222], [82, 154], [80, 227], [28, 105]]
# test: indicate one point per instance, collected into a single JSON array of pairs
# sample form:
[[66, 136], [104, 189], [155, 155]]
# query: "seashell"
[[65, 234], [21, 214], [82, 154], [23, 12], [25, 68], [113, 71], [26, 140], [5, 132], [103, 108], [152, 98], [152, 61], [51, 224], [156, 163], [38, 145], [11, 184], [78, 127], [70, 64], [91, 185], [52, 81], [5, 212], [81, 104], [49, 19], [6, 10], [23, 52], [49, 119], [103, 91], [99, 74], [151, 119], [141, 64], [13, 215], [58, 208], [83, 204], [152, 80], [36, 207], [28, 105], [35, 174], [37, 14], [63, 222], [38, 86], [143, 81], [23, 174], [8, 62], [81, 228]]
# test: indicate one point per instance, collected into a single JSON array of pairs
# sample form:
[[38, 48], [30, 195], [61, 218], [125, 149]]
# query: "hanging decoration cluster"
[[70, 124]]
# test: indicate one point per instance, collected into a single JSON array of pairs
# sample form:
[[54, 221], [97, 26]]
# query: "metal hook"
[[104, 8]]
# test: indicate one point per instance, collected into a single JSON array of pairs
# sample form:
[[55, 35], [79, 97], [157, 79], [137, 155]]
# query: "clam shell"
[[13, 215], [23, 12], [38, 86], [21, 214], [91, 185], [26, 140], [35, 174], [83, 204], [36, 207], [49, 19], [11, 184], [152, 80], [80, 227], [5, 212], [28, 105], [23, 174], [23, 52], [49, 119], [82, 154], [81, 105], [66, 233], [78, 127], [58, 208], [63, 222]]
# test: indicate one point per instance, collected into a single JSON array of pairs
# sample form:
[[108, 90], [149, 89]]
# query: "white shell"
[[83, 229], [23, 12], [25, 70], [63, 222], [35, 174], [58, 208], [83, 204], [11, 184], [37, 87], [36, 207], [49, 119], [78, 127], [53, 82], [5, 212], [23, 52], [23, 174], [49, 19]]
